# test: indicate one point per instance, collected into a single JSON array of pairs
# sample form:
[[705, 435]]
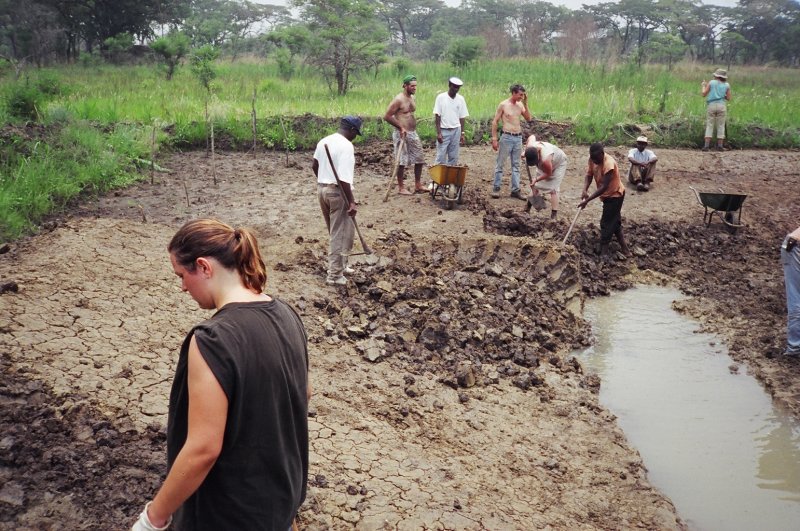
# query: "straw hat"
[[722, 74]]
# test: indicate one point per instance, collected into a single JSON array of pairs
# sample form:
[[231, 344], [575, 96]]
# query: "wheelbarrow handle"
[[697, 194]]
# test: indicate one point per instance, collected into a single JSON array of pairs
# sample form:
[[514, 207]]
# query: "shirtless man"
[[510, 143], [401, 115]]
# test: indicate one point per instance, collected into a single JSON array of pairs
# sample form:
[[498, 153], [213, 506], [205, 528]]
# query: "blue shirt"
[[716, 90]]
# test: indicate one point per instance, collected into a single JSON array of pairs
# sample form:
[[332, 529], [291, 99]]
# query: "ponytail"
[[235, 249]]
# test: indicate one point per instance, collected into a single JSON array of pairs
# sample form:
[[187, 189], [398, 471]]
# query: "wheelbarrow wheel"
[[450, 196]]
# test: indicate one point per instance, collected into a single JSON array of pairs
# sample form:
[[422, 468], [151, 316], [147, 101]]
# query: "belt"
[[789, 243], [512, 134], [329, 185]]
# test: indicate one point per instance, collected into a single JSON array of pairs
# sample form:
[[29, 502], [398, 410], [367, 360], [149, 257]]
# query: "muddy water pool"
[[707, 431]]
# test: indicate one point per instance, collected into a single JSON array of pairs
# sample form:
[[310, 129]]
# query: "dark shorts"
[[611, 220]]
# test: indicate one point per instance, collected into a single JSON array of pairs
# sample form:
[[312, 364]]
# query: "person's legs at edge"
[[649, 173], [721, 116], [709, 127], [341, 235], [323, 205], [515, 149], [453, 146], [791, 277], [442, 149], [634, 175], [502, 155], [553, 204], [400, 158], [418, 178], [611, 224]]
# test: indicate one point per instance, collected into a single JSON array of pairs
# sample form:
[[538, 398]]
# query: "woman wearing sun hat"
[[716, 92]]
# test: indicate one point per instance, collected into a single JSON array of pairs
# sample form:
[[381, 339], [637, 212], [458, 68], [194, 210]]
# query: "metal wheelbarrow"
[[448, 183], [727, 206]]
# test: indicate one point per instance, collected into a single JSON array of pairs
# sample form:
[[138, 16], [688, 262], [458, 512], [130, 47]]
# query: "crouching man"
[[643, 165]]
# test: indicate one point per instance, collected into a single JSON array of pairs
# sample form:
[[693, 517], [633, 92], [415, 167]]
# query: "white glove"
[[144, 524]]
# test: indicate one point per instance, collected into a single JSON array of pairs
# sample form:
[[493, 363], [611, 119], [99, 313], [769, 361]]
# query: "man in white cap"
[[449, 110], [643, 165]]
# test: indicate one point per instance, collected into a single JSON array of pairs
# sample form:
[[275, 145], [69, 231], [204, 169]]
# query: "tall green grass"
[[40, 175], [595, 98]]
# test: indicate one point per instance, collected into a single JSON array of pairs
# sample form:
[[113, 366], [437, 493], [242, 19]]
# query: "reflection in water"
[[711, 440]]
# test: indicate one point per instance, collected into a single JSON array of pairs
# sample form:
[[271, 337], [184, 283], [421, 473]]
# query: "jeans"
[[791, 275], [447, 151], [340, 227], [508, 146]]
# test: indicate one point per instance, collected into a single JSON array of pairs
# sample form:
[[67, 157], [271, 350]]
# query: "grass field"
[[99, 119], [596, 99]]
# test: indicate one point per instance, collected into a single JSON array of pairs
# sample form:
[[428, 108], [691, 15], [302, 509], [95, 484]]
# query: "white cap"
[[456, 81], [642, 139]]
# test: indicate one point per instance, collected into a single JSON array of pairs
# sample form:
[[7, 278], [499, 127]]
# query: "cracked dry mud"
[[445, 393]]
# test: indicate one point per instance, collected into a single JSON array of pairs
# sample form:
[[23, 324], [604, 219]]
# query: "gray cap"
[[353, 122], [456, 81]]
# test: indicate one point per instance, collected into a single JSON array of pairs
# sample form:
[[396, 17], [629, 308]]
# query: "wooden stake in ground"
[[254, 122], [213, 160], [394, 171], [153, 155], [186, 191], [285, 143]]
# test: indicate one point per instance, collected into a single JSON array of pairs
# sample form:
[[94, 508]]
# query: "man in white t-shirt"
[[643, 165], [449, 110], [336, 195]]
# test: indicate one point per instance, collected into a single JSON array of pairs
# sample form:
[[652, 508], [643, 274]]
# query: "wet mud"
[[445, 393]]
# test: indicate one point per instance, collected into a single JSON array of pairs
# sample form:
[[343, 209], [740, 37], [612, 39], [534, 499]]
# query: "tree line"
[[342, 38]]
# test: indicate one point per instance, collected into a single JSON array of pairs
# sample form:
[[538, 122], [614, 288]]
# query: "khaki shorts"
[[412, 150]]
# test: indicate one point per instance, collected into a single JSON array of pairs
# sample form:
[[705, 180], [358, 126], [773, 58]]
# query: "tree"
[[231, 22], [537, 23], [202, 61], [171, 48], [733, 44], [403, 17], [465, 50], [665, 48], [116, 46], [346, 37]]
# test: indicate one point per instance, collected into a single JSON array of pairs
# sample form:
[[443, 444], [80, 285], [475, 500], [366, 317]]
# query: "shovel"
[[394, 170], [578, 213], [364, 245], [537, 202]]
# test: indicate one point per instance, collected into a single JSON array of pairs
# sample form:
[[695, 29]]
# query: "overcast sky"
[[572, 4]]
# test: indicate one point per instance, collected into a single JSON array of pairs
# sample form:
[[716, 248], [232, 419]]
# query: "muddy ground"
[[445, 392]]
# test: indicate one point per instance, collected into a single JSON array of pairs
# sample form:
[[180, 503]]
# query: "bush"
[[285, 63], [465, 50], [23, 101], [50, 84], [402, 65], [117, 46]]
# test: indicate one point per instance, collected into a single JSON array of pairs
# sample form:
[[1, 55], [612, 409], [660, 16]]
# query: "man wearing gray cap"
[[450, 109], [335, 191]]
